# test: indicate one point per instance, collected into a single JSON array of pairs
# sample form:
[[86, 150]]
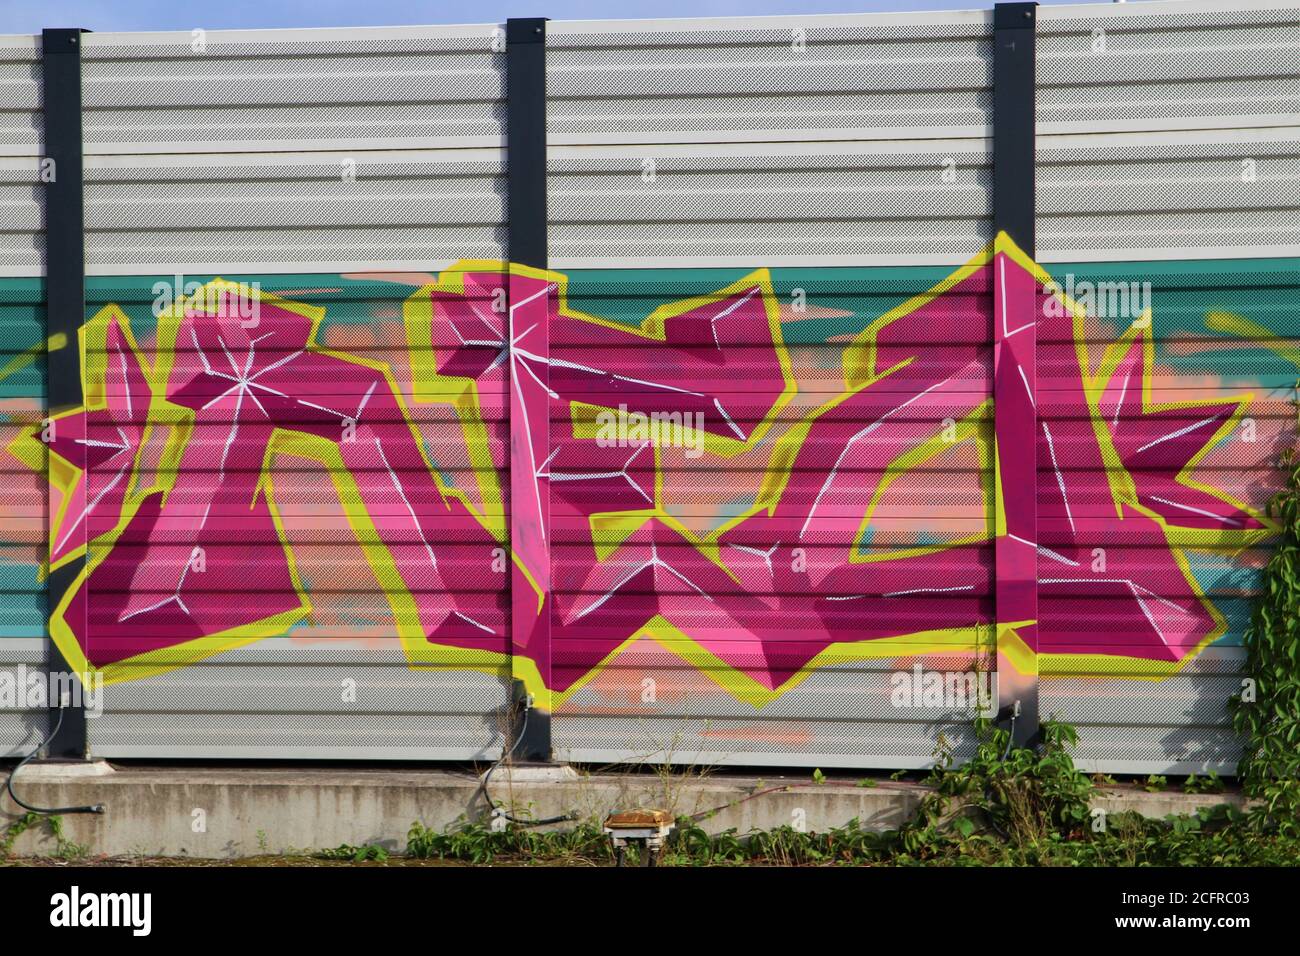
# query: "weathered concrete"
[[214, 812]]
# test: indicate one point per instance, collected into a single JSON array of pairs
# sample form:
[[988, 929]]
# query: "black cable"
[[483, 786], [46, 811]]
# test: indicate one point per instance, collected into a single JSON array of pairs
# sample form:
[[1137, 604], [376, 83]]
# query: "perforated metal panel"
[[22, 240], [20, 95], [286, 89], [287, 212], [283, 698], [1170, 521], [1168, 131], [293, 150], [693, 684], [869, 106], [810, 204], [1128, 197], [801, 79], [1176, 725], [1163, 66], [840, 716]]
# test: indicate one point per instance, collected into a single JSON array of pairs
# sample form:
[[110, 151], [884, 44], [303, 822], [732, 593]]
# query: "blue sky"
[[30, 16]]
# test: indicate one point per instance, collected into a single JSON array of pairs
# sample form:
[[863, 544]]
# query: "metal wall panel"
[[799, 79], [694, 152], [268, 584], [278, 90], [20, 95], [1197, 65], [22, 241], [1169, 131], [23, 509], [360, 211], [23, 503], [293, 150], [809, 204], [713, 603], [1150, 196], [1169, 145], [778, 223], [1156, 541], [336, 167], [773, 141]]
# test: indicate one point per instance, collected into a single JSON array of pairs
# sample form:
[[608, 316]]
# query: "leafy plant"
[[480, 843], [357, 854], [1266, 711], [1005, 806], [1210, 783], [64, 848], [1155, 783]]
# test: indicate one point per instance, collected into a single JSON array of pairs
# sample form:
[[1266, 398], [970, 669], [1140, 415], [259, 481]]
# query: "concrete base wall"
[[216, 813]]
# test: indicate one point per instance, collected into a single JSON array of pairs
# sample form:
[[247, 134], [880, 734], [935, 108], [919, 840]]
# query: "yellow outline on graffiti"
[[781, 462], [65, 475], [1177, 539], [429, 386]]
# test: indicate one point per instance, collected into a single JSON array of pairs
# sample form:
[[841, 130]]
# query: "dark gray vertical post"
[[526, 140], [1015, 369], [1013, 121], [65, 304], [526, 224]]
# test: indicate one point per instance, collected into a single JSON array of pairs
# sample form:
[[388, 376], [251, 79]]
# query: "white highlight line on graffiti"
[[852, 441], [379, 447], [1002, 272], [1056, 556], [526, 446], [1179, 434], [654, 562], [1199, 511], [546, 388], [102, 494], [591, 475], [564, 363], [100, 443], [961, 587], [713, 323], [717, 403], [234, 430], [1060, 479], [1119, 405], [126, 386], [759, 553], [470, 620], [365, 399], [1028, 391]]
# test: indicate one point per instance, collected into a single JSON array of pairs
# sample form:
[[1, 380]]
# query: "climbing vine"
[[1267, 710]]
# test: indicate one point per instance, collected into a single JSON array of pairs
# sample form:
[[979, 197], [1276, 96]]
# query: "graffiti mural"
[[535, 487]]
